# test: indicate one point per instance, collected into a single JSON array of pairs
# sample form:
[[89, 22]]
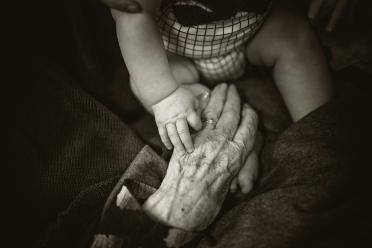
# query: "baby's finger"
[[184, 134], [164, 137], [336, 15], [194, 121], [315, 7], [175, 139]]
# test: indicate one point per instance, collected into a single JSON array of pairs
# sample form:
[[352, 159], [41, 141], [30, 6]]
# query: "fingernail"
[[190, 150]]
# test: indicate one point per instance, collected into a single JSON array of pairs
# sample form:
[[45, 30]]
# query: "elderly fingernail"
[[190, 150]]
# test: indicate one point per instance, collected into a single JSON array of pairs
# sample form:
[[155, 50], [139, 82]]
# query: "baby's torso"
[[212, 33]]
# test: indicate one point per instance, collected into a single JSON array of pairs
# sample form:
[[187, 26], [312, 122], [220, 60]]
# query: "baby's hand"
[[174, 114]]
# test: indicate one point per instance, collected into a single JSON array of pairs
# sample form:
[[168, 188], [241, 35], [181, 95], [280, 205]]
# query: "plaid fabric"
[[217, 48]]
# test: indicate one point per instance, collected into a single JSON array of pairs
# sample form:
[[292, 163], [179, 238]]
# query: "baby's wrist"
[[165, 95]]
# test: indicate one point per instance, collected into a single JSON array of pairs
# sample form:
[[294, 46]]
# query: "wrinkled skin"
[[196, 184]]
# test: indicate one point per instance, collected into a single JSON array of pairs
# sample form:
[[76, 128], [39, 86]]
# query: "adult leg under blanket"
[[315, 187]]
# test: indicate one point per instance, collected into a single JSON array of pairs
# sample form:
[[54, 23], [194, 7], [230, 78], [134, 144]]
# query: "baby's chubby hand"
[[175, 113]]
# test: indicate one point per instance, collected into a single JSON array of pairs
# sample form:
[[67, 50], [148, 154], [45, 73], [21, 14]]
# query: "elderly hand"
[[336, 9], [196, 184]]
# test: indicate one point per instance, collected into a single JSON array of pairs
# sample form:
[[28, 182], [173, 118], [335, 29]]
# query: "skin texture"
[[196, 184]]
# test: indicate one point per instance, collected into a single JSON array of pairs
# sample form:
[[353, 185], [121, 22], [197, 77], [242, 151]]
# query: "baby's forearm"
[[144, 55]]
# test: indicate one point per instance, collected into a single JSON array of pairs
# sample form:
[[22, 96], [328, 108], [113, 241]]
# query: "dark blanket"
[[68, 143]]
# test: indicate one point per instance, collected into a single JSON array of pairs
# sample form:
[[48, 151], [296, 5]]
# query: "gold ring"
[[210, 122]]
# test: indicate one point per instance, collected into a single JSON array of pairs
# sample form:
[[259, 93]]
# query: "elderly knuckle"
[[208, 114], [172, 134], [183, 132], [225, 134]]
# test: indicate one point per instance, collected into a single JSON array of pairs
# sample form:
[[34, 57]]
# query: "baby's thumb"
[[194, 121], [202, 101]]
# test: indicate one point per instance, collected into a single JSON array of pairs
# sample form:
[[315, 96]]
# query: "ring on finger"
[[210, 122]]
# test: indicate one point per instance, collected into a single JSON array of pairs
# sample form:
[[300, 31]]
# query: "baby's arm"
[[174, 107], [143, 52]]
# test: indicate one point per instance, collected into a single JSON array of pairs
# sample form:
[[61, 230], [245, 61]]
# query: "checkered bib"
[[217, 48]]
